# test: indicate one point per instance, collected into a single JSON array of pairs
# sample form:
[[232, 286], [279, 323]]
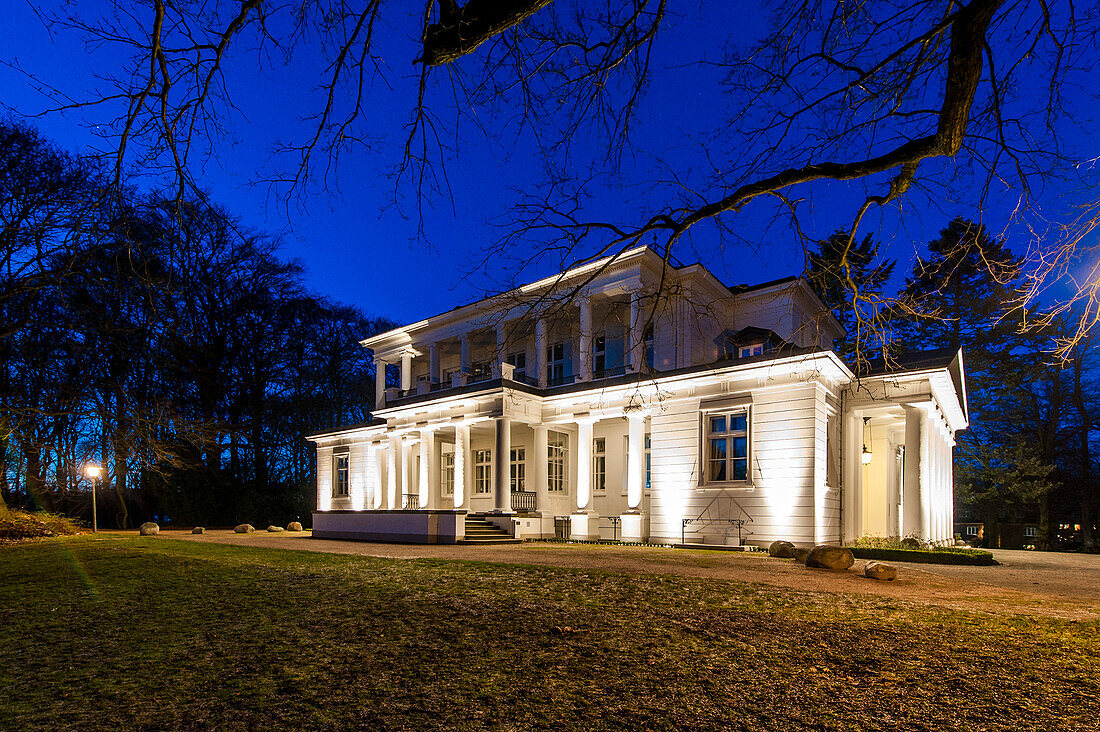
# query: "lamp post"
[[93, 472]]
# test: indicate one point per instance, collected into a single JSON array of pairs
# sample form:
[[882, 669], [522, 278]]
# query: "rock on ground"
[[800, 554], [198, 530], [880, 571], [244, 529], [149, 528], [781, 549], [824, 556], [294, 526], [275, 529]]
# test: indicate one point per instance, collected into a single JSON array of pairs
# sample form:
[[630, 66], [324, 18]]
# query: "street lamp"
[[866, 456], [93, 472]]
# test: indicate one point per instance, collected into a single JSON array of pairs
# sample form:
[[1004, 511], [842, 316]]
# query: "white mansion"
[[627, 398]]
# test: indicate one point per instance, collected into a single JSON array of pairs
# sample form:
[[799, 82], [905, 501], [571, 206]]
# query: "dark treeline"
[[1030, 454], [164, 342]]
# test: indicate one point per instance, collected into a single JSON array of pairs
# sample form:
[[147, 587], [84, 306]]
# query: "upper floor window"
[[447, 468], [647, 342], [557, 458], [557, 366], [480, 370], [753, 349], [483, 471], [1030, 531], [340, 475], [518, 362], [599, 465], [727, 446], [519, 468]]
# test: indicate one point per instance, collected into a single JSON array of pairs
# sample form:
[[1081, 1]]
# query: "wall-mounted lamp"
[[866, 448]]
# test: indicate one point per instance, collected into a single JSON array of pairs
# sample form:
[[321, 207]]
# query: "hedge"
[[974, 557]]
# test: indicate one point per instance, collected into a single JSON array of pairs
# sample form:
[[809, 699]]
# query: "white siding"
[[324, 478]]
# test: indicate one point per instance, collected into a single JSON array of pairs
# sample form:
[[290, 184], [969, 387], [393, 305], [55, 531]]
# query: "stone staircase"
[[480, 531]]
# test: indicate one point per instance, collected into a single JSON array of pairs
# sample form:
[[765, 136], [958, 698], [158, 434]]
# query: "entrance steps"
[[480, 531]]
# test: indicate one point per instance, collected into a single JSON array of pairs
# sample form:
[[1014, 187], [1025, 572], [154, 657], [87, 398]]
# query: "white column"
[[537, 468], [392, 487], [502, 465], [433, 363], [406, 371], [540, 352], [635, 460], [584, 347], [927, 476], [465, 354], [462, 442], [911, 483], [584, 465], [379, 451], [379, 383], [852, 495], [427, 443], [634, 333]]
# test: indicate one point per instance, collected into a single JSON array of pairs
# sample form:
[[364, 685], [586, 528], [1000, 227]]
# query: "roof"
[[940, 358], [743, 288]]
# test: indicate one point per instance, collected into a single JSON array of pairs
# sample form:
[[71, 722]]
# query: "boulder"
[[880, 571], [781, 549], [244, 529], [911, 542], [275, 529], [960, 542], [824, 556], [149, 528], [198, 530], [294, 526], [800, 554]]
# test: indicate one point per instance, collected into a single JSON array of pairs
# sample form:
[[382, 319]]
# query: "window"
[[519, 468], [518, 362], [971, 530], [340, 475], [447, 468], [727, 446], [483, 471], [480, 370], [556, 461], [599, 356], [647, 341], [753, 349], [647, 463], [555, 364], [1030, 531], [599, 465]]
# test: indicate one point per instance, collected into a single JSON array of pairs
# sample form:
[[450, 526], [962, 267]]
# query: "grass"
[[155, 633]]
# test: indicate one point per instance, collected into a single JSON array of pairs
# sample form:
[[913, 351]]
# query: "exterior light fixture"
[[866, 448], [93, 472]]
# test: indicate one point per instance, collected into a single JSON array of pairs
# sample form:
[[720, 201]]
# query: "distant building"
[[627, 399]]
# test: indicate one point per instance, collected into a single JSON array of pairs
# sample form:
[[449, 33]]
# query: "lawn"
[[155, 633]]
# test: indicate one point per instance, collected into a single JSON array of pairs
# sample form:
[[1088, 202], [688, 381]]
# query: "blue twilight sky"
[[356, 248]]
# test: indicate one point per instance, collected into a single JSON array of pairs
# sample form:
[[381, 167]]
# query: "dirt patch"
[[1030, 585]]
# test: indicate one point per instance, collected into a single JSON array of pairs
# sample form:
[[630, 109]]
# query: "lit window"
[[518, 468], [483, 471], [1030, 531], [340, 475], [754, 349], [556, 461], [971, 530], [447, 468], [599, 465], [727, 446]]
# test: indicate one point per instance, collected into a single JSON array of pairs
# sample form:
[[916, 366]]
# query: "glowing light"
[[866, 450], [93, 471]]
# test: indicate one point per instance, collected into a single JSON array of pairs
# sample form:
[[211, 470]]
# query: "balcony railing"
[[524, 501], [410, 501]]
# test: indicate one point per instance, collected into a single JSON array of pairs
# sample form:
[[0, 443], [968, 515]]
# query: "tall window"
[[447, 468], [599, 465], [555, 364], [340, 475], [480, 371], [483, 471], [647, 341], [556, 461], [599, 356], [518, 361], [519, 468], [727, 446], [647, 463]]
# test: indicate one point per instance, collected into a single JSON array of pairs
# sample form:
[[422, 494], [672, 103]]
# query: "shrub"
[[27, 525]]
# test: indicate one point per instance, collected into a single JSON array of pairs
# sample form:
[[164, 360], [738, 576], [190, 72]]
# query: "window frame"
[[343, 482], [706, 435], [483, 471], [518, 361], [553, 364], [517, 469], [557, 476], [599, 465], [447, 472], [750, 350]]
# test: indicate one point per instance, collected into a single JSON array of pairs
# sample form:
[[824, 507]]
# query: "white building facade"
[[628, 399]]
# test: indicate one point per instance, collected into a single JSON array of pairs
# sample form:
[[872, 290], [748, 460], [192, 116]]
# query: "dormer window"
[[752, 349]]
